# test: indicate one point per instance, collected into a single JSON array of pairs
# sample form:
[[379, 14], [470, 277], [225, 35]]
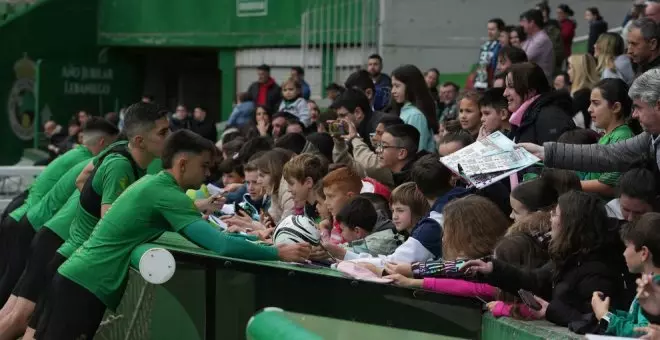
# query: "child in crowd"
[[409, 206], [357, 219], [637, 195], [270, 167], [535, 195], [610, 109], [585, 258], [562, 180], [293, 102], [383, 212], [302, 173], [338, 187], [494, 113], [254, 199], [642, 241], [469, 114], [233, 173], [535, 223], [325, 226]]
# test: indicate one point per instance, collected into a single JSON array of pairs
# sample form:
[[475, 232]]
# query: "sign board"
[[66, 87], [251, 8]]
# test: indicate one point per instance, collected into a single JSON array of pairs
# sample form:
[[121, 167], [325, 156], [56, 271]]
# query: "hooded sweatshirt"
[[425, 241]]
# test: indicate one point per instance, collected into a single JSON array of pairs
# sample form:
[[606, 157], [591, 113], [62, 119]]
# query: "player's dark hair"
[[184, 141], [432, 178], [98, 124], [141, 117]]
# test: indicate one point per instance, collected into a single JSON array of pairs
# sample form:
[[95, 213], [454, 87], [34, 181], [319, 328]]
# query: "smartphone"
[[529, 300], [338, 128]]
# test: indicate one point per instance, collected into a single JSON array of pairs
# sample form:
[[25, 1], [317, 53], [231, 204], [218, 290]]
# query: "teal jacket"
[[413, 116], [623, 323]]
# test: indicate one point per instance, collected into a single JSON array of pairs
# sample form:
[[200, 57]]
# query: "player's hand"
[[263, 234], [335, 250], [210, 204], [473, 267], [319, 254], [403, 281], [536, 150], [294, 252], [404, 269], [239, 221]]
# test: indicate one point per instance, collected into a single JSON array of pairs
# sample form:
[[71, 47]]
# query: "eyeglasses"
[[380, 147]]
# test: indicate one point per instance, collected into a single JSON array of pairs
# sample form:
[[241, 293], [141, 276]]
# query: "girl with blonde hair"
[[612, 62], [584, 76]]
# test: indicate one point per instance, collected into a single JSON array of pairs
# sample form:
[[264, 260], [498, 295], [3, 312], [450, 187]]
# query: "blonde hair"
[[584, 74], [606, 46], [472, 227]]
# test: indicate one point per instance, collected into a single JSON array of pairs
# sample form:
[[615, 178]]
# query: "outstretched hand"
[[536, 150], [473, 267]]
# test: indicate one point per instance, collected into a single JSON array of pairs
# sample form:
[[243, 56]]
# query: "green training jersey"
[[148, 208], [113, 176], [61, 191], [63, 219], [49, 177]]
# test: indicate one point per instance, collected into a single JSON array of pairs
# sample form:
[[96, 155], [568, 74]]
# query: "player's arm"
[[84, 175], [206, 236]]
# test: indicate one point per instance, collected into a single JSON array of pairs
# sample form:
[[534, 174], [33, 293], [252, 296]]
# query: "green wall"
[[55, 29], [215, 23]]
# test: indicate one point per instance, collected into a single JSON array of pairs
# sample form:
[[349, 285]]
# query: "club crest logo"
[[21, 102]]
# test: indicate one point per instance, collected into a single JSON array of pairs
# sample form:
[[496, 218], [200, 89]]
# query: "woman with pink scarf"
[[539, 114]]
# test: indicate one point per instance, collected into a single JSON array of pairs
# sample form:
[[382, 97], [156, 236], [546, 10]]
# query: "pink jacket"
[[474, 289]]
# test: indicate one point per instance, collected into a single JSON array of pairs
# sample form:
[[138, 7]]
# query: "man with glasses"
[[397, 151]]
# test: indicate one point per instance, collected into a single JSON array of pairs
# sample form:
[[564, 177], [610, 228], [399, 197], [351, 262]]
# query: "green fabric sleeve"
[[205, 235], [624, 324], [242, 236]]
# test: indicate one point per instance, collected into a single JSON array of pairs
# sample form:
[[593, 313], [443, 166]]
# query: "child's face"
[[634, 259], [300, 191], [232, 177], [518, 209], [335, 199], [254, 189], [289, 92], [469, 115], [265, 180], [446, 149], [351, 234], [322, 208], [491, 119], [401, 217]]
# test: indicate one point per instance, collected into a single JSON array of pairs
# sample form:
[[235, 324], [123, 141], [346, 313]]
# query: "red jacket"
[[567, 28]]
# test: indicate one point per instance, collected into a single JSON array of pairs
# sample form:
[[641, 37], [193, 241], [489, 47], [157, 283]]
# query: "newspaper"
[[489, 160]]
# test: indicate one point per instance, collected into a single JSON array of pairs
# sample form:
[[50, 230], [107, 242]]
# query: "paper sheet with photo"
[[488, 160]]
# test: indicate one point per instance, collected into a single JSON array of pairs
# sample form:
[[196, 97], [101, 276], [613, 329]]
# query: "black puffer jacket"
[[570, 289], [546, 119]]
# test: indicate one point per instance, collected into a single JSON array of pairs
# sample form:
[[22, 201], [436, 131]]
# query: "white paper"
[[489, 160], [217, 221], [604, 337], [228, 209], [214, 190]]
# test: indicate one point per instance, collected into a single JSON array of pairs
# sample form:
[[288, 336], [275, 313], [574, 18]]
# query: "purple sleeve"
[[460, 288]]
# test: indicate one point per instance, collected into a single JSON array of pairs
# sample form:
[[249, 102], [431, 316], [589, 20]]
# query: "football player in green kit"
[[94, 277], [17, 231]]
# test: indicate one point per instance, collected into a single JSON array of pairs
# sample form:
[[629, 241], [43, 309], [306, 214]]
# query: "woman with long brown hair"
[[585, 257]]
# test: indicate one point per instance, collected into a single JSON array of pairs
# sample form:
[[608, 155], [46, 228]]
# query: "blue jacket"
[[428, 231], [306, 90], [242, 114], [383, 92]]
